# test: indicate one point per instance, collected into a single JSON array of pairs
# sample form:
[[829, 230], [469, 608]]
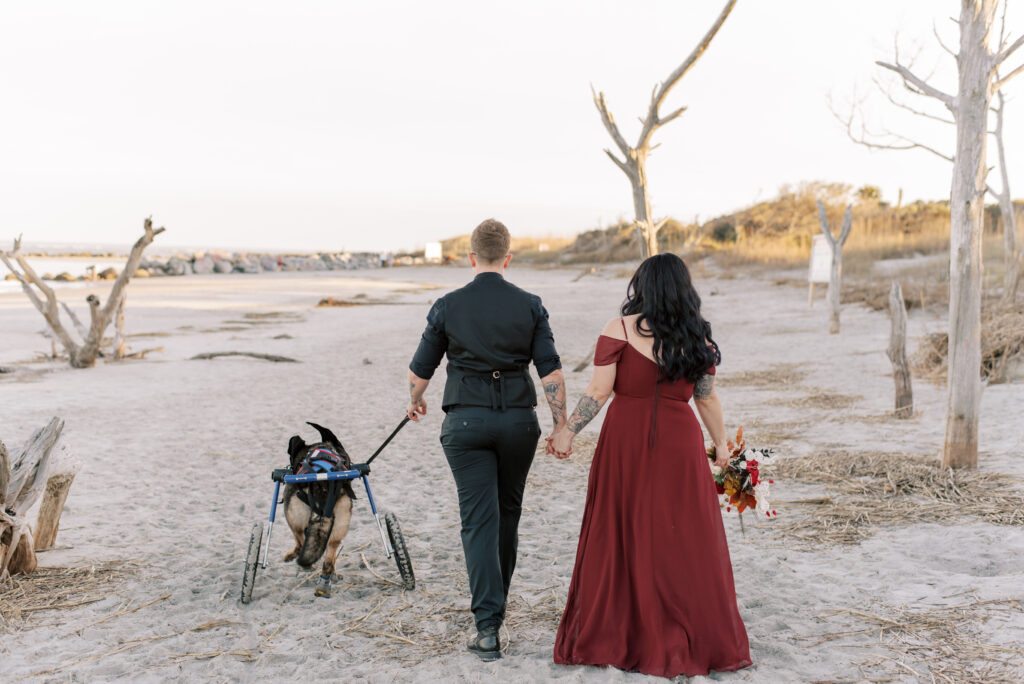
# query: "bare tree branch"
[[903, 105], [864, 137], [652, 121], [915, 85], [609, 122], [1006, 79], [622, 165], [938, 38], [674, 115], [1004, 55], [844, 232], [48, 308], [75, 321]]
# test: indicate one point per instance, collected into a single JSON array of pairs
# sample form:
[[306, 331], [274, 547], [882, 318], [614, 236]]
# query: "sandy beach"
[[177, 455]]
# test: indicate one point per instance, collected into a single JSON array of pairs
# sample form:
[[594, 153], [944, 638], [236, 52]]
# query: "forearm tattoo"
[[584, 413], [555, 393], [704, 387], [412, 389]]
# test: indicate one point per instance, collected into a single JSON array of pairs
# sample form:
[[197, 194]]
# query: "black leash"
[[388, 440]]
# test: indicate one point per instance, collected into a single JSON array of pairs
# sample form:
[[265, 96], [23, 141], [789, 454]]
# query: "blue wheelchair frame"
[[360, 471]]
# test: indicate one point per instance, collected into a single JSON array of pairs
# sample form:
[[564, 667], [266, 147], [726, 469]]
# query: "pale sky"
[[376, 125]]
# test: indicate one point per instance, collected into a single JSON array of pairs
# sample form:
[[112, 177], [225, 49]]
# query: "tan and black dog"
[[318, 513]]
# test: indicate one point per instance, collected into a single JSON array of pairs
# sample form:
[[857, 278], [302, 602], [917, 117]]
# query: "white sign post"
[[821, 264], [432, 252]]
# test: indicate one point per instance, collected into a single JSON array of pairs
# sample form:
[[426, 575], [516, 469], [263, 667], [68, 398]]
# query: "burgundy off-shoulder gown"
[[652, 589]]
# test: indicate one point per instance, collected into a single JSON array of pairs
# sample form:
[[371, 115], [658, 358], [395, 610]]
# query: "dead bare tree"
[[978, 80], [45, 300], [1012, 252], [634, 158], [835, 279]]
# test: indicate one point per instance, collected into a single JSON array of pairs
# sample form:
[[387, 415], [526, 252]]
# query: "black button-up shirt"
[[490, 330]]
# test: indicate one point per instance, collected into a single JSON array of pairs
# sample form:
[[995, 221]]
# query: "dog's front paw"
[[291, 555], [323, 586]]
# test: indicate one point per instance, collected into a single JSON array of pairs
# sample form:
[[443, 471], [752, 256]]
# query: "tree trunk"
[[5, 474], [646, 231], [835, 277], [1012, 278], [119, 337], [967, 205], [57, 488], [897, 353], [1010, 256]]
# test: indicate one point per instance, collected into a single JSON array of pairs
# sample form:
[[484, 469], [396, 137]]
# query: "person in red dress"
[[652, 589]]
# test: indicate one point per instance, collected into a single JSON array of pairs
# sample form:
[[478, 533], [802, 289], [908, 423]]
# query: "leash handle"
[[388, 440]]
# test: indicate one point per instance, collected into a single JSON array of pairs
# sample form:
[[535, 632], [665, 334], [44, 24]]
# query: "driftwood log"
[[835, 279], [42, 296], [265, 357], [897, 353], [38, 469]]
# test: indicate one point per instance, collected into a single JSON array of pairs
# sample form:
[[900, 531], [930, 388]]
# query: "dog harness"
[[322, 459]]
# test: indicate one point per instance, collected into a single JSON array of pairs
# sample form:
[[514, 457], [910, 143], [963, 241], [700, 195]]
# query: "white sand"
[[178, 454]]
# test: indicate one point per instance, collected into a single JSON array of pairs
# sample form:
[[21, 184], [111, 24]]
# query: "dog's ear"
[[327, 436], [296, 450]]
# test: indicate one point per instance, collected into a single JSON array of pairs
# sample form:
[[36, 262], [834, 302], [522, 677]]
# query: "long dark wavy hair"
[[662, 292]]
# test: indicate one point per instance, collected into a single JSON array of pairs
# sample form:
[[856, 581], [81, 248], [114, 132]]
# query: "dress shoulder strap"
[[622, 320]]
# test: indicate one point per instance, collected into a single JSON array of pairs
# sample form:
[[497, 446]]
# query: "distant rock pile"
[[203, 263], [217, 262]]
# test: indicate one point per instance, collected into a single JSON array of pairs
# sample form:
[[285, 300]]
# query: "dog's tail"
[[318, 532]]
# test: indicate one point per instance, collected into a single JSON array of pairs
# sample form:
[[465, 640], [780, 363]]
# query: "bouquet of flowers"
[[740, 483]]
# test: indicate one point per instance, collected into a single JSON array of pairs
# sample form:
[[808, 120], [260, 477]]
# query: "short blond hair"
[[490, 241]]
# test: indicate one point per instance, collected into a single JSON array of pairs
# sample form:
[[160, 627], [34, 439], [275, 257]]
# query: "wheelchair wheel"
[[252, 561], [402, 559]]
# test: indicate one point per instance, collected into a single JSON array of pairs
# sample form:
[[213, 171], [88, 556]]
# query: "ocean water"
[[76, 266]]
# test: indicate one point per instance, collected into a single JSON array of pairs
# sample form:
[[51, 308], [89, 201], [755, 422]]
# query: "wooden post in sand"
[[897, 353], [57, 487]]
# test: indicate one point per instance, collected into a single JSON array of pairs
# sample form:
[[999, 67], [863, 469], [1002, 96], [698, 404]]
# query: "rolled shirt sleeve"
[[545, 357], [433, 343]]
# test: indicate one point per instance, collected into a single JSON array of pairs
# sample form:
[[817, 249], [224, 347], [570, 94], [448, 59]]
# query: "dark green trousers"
[[490, 453]]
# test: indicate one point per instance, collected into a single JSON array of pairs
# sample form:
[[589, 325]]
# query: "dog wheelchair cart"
[[390, 532]]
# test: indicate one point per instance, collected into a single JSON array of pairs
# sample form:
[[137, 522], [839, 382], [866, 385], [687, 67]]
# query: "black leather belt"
[[499, 400]]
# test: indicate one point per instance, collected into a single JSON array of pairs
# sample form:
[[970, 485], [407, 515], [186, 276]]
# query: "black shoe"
[[486, 645]]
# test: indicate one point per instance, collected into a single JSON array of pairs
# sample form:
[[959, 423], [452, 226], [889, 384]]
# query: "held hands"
[[560, 443], [417, 409], [722, 454]]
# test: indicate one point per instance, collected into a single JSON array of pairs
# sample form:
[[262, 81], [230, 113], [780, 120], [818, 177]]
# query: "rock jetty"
[[203, 263]]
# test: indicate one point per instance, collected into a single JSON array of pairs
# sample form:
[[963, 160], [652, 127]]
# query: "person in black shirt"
[[490, 330]]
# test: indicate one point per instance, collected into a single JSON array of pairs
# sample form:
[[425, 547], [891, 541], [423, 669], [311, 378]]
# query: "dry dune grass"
[[22, 597], [1002, 339], [781, 375], [824, 400], [417, 628], [870, 489], [942, 644]]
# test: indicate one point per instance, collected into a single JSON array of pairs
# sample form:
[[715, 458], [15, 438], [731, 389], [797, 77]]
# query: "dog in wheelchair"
[[318, 513]]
